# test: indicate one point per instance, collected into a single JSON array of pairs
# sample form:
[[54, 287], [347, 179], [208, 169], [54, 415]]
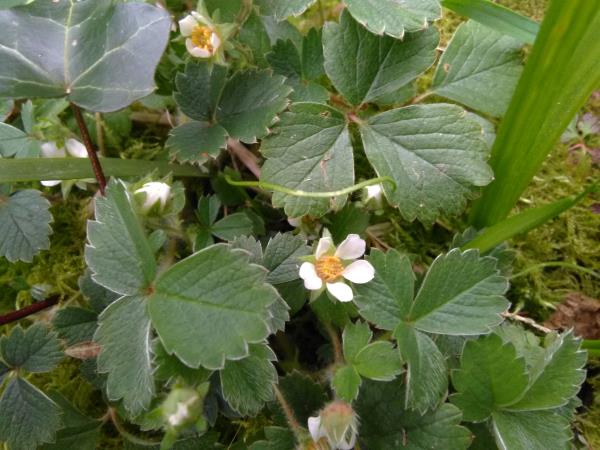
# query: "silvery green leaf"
[[199, 90], [531, 430], [99, 53], [36, 349], [6, 107], [14, 142], [98, 296], [74, 324], [24, 225], [283, 9], [282, 255], [196, 142], [309, 150], [479, 68], [304, 396]]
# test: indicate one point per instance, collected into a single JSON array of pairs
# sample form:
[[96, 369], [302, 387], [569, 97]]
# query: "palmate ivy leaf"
[[99, 53], [490, 376], [24, 225], [35, 349], [363, 66], [394, 17], [202, 319], [124, 334], [435, 155], [385, 424], [283, 10], [242, 107], [14, 142], [309, 150], [479, 68], [282, 257], [75, 325], [247, 384], [118, 252], [539, 430], [28, 417]]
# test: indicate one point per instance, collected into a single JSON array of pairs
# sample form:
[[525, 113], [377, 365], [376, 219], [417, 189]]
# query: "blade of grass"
[[559, 76], [497, 17], [592, 346], [38, 169], [523, 222]]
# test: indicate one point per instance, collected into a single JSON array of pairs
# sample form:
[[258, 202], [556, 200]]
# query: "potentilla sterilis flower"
[[331, 267], [202, 37]]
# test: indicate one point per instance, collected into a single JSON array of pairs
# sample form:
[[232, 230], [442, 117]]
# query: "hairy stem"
[[289, 414], [28, 310], [335, 342], [87, 141]]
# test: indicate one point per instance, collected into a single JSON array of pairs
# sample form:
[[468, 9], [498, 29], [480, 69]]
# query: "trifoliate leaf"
[[199, 90], [479, 68], [278, 315], [232, 226], [363, 66], [208, 307], [525, 342], [83, 44], [75, 325], [169, 367], [346, 383], [434, 154], [558, 377], [386, 424], [491, 376], [304, 396], [252, 246], [208, 210], [28, 418], [247, 384], [394, 17], [282, 257], [196, 141], [427, 373], [6, 107], [309, 150], [35, 350], [283, 10], [124, 334], [15, 142], [355, 337], [24, 225], [119, 253], [539, 430]]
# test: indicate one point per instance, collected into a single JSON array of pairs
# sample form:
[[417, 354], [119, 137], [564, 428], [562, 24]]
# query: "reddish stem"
[[29, 310], [87, 141]]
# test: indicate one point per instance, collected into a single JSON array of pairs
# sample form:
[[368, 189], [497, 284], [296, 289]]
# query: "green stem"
[[127, 435], [556, 264], [297, 193]]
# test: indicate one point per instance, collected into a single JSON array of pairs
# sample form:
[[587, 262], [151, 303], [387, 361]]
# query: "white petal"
[[187, 25], [353, 247], [359, 272], [312, 282], [314, 427], [196, 51], [343, 445], [295, 221], [76, 148], [155, 191], [50, 183], [215, 41], [201, 18], [341, 291], [374, 192], [50, 150], [325, 243]]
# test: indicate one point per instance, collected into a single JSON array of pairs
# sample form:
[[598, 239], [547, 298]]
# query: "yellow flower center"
[[329, 268], [201, 37]]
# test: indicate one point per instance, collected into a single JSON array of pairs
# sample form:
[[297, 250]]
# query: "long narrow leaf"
[[496, 17], [558, 78], [522, 223], [37, 169], [592, 346]]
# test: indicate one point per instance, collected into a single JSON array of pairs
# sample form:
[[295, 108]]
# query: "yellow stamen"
[[329, 268], [201, 37]]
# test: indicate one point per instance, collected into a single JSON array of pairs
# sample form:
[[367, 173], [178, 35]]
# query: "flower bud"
[[373, 196], [182, 406], [76, 148], [337, 423], [156, 193]]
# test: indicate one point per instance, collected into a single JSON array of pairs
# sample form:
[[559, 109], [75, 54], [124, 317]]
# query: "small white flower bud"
[[156, 192]]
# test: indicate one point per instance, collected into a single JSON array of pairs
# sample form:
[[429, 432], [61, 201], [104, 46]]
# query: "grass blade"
[[497, 17], [592, 346], [561, 73]]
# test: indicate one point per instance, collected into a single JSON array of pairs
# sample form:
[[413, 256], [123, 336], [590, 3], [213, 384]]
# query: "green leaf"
[[385, 424], [205, 321], [304, 396], [118, 252], [427, 373], [196, 142], [355, 337], [351, 219], [479, 68], [283, 10], [394, 17], [124, 335], [496, 17], [35, 350], [282, 257], [28, 417], [6, 108], [254, 34], [247, 384], [98, 296], [433, 153], [15, 142], [541, 430], [491, 376], [309, 150], [83, 43], [278, 439], [378, 361], [24, 225], [232, 226], [363, 66], [4, 370], [346, 383], [558, 377], [199, 90], [169, 367], [560, 74], [75, 325]]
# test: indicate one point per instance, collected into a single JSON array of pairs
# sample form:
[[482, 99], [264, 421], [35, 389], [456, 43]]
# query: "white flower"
[[374, 192], [331, 266], [337, 423], [51, 150], [155, 191], [202, 38]]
